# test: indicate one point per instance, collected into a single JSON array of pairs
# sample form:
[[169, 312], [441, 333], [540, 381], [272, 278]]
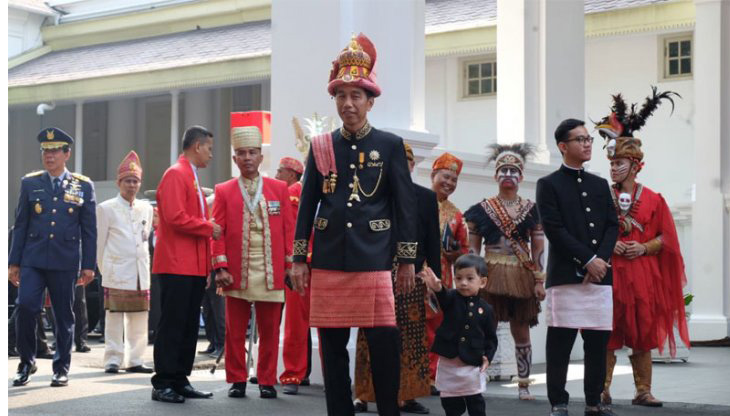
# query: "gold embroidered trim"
[[300, 248], [503, 259], [364, 130], [220, 259], [268, 256], [380, 225], [406, 250], [320, 223]]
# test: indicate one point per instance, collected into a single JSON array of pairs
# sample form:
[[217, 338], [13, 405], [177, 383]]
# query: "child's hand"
[[430, 279], [485, 364]]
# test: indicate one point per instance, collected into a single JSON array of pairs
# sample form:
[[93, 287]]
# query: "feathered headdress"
[[618, 128], [624, 121], [510, 155]]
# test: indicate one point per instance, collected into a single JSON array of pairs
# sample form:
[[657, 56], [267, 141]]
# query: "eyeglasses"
[[583, 140]]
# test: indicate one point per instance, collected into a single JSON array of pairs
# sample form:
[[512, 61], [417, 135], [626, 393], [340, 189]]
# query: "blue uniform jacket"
[[55, 230]]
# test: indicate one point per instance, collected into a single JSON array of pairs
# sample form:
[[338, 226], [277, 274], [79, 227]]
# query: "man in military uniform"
[[54, 237], [358, 176]]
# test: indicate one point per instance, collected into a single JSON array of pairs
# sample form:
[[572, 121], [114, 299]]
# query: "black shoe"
[[360, 406], [237, 390], [208, 350], [267, 392], [412, 406], [290, 389], [253, 380], [602, 410], [216, 353], [59, 380], [83, 348], [435, 391], [46, 355], [559, 410], [140, 369], [305, 382], [190, 392], [23, 376], [111, 368], [167, 395]]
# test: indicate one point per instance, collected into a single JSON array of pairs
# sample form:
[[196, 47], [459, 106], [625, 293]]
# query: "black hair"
[[466, 261], [195, 134], [299, 176], [564, 128]]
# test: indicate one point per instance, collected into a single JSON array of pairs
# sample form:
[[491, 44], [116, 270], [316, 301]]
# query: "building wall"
[[626, 64]]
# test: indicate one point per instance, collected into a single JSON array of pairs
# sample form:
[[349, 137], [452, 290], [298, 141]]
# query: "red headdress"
[[355, 65]]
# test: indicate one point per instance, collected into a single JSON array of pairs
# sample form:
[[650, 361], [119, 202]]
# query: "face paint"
[[620, 169], [508, 176]]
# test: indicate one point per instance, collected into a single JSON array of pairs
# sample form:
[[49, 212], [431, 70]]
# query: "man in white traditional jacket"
[[124, 225]]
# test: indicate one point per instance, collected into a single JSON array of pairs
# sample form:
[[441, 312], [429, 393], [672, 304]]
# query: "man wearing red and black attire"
[[182, 262]]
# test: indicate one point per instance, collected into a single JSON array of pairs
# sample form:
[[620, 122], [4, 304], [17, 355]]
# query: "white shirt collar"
[[572, 168], [124, 202]]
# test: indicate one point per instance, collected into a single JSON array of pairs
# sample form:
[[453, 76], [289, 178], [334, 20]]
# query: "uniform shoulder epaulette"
[[34, 173], [81, 177]]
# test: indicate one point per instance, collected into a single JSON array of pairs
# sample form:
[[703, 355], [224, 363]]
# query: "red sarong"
[[351, 299]]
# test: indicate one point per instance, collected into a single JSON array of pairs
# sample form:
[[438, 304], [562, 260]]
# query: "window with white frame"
[[678, 57], [480, 77]]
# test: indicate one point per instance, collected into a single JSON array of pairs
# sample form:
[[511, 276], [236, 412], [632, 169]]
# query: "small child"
[[466, 341]]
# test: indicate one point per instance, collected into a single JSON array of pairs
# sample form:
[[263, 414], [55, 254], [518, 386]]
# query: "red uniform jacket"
[[228, 212], [184, 232]]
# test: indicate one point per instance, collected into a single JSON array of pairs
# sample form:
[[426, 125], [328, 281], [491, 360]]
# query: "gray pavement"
[[698, 387]]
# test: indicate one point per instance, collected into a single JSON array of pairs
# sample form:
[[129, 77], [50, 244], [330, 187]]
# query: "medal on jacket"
[[38, 208], [329, 183], [251, 204]]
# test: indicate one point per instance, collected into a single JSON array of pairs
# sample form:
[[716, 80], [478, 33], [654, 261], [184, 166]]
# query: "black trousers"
[[456, 406], [81, 329], [558, 346], [214, 315], [384, 346], [177, 332]]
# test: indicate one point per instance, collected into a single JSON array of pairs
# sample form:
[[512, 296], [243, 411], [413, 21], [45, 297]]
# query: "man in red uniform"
[[647, 264], [251, 260], [297, 351], [182, 262]]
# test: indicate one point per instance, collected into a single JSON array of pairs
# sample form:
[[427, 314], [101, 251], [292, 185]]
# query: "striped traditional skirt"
[[351, 299], [120, 300]]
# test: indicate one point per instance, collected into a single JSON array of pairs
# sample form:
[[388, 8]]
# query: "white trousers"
[[125, 334]]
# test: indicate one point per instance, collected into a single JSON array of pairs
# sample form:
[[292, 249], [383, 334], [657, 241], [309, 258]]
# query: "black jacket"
[[469, 329], [427, 230], [352, 235], [580, 222]]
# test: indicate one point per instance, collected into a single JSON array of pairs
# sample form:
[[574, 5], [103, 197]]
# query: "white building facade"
[[442, 90]]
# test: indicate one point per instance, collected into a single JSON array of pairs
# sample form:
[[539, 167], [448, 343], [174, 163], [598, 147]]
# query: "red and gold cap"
[[130, 166], [448, 161], [355, 66], [291, 163]]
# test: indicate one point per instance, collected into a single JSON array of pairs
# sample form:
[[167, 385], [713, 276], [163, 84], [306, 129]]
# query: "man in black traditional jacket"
[[358, 185], [580, 222]]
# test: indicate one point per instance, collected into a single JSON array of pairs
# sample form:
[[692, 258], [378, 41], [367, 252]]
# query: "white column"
[[709, 274], [79, 138], [174, 125], [120, 134], [562, 73], [517, 63], [396, 29]]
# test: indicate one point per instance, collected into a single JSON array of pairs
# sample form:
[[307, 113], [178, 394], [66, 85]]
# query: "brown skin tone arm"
[[475, 243], [537, 246]]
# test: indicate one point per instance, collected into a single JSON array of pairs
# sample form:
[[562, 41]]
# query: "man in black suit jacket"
[[580, 222]]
